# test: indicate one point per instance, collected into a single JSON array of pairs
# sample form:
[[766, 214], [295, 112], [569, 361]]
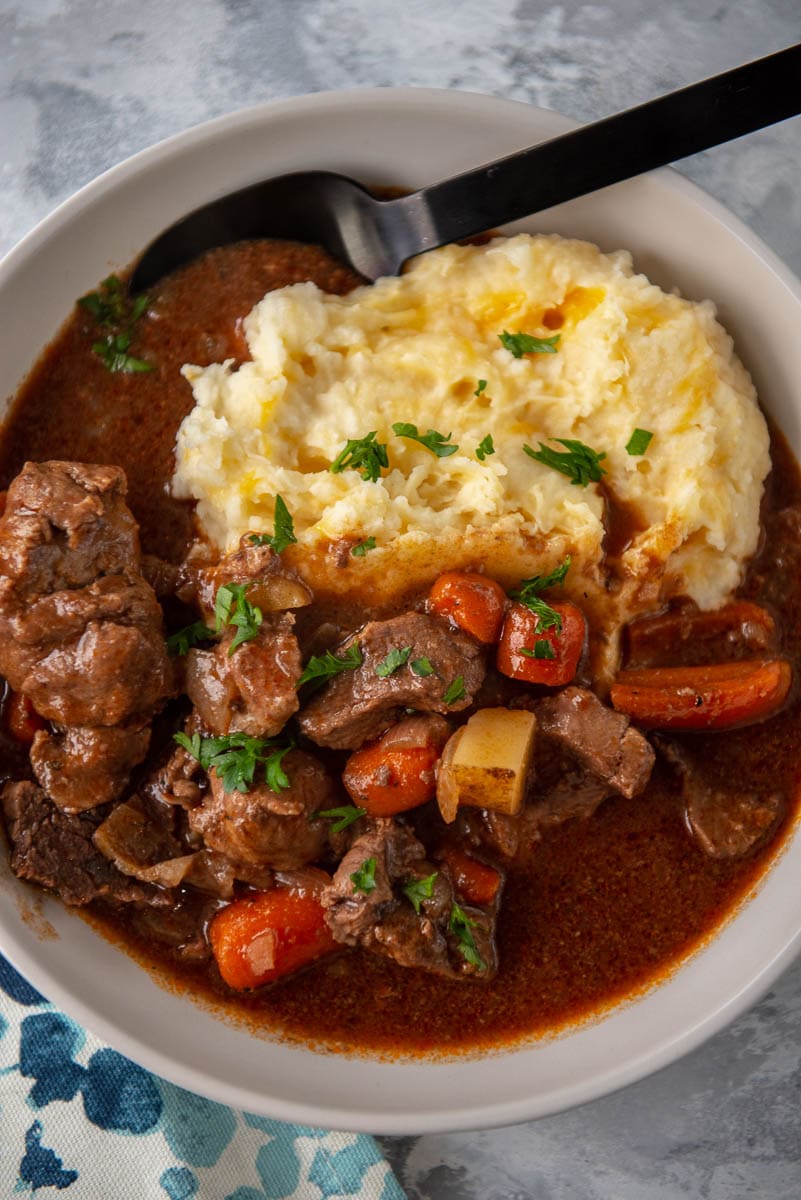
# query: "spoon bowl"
[[376, 236]]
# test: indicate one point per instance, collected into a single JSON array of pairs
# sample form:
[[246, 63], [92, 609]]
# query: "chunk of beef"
[[601, 740], [253, 690], [80, 767], [80, 629], [268, 828], [383, 919], [179, 929], [180, 781], [359, 705], [496, 834], [272, 585], [55, 850], [725, 820]]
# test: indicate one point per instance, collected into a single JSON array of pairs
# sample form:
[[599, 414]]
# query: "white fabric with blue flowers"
[[79, 1118]]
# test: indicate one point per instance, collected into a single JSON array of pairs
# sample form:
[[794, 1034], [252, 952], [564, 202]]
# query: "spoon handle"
[[619, 147]]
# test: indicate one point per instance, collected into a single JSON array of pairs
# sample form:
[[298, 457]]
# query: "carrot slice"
[[263, 937], [474, 602], [475, 881], [387, 780], [669, 637], [521, 644], [718, 696]]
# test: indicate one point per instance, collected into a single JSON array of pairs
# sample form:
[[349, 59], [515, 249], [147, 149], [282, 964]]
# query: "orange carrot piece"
[[475, 881], [263, 937], [670, 635], [387, 780], [718, 696], [22, 718], [519, 641], [475, 603]]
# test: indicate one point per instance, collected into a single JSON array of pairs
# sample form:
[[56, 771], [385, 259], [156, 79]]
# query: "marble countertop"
[[85, 83]]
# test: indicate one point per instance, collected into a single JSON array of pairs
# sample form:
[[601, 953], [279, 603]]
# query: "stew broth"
[[594, 911]]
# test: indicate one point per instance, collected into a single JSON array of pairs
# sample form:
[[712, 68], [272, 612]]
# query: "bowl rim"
[[470, 1114]]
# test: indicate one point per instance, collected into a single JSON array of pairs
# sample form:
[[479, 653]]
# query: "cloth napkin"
[[77, 1117]]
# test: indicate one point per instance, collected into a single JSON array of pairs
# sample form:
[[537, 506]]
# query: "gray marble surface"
[[84, 83]]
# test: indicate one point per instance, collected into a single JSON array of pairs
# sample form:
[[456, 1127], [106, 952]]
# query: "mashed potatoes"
[[413, 349]]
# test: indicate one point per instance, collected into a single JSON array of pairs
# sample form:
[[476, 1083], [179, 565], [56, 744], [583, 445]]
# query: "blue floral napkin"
[[77, 1117]]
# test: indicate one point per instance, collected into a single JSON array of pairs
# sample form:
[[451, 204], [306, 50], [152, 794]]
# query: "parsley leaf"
[[482, 386], [342, 817], [232, 607], [362, 548], [324, 666], [581, 464], [113, 351], [235, 758], [519, 344], [365, 455], [363, 880], [455, 691], [438, 443], [528, 593], [542, 649], [393, 661], [485, 448], [422, 667], [639, 442], [180, 642], [460, 925], [114, 310], [418, 890], [283, 534]]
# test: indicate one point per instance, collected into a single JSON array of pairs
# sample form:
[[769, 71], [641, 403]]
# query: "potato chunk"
[[485, 763]]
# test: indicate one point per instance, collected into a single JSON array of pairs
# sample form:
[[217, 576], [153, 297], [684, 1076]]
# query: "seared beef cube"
[[55, 850], [181, 781], [262, 827], [383, 918], [80, 767], [80, 630], [726, 820], [271, 584], [253, 690], [360, 704], [598, 738], [493, 833]]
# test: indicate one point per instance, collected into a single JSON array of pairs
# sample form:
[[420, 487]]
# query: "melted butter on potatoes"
[[412, 349]]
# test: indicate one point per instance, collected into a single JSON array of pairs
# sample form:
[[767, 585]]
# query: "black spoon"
[[377, 236]]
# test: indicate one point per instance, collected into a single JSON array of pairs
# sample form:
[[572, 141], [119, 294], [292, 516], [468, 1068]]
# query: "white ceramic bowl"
[[680, 238]]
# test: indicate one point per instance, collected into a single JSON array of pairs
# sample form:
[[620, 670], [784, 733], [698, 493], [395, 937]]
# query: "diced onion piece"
[[485, 764], [275, 593]]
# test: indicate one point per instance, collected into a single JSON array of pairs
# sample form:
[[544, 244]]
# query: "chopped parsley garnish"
[[232, 607], [324, 666], [363, 880], [117, 313], [639, 442], [460, 925], [365, 455], [438, 443], [482, 386], [361, 549], [283, 534], [455, 691], [422, 667], [580, 463], [542, 649], [485, 448], [342, 817], [519, 344], [418, 890], [393, 661], [235, 758], [528, 593], [191, 635], [113, 352]]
